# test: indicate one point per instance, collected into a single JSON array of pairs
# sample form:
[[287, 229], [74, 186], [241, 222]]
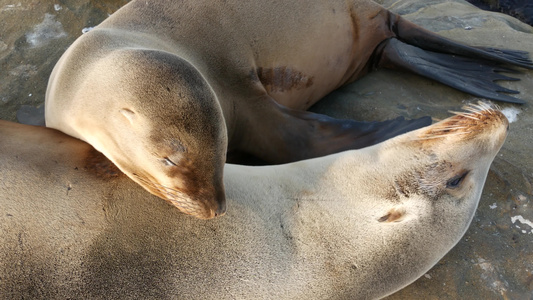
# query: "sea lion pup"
[[167, 90], [359, 224]]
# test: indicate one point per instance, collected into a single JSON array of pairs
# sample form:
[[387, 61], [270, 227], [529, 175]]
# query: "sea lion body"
[[166, 90], [359, 224]]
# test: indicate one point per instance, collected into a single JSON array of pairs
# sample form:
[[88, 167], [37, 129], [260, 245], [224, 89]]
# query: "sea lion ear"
[[128, 114], [395, 214]]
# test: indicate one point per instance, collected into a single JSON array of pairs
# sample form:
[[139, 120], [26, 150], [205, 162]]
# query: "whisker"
[[448, 128], [441, 135], [175, 197], [458, 125], [157, 185], [466, 115], [471, 116]]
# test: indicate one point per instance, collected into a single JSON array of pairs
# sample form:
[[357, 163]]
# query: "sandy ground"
[[494, 260]]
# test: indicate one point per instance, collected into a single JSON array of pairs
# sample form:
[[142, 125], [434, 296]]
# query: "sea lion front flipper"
[[334, 135], [470, 75], [293, 135]]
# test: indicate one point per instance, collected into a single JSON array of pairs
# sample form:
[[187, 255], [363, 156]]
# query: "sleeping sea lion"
[[168, 90], [359, 224]]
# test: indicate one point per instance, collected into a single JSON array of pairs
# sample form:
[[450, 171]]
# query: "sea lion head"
[[465, 146], [444, 167], [164, 129], [411, 199]]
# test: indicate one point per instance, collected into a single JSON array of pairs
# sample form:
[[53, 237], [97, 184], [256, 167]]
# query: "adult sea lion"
[[359, 224], [167, 90]]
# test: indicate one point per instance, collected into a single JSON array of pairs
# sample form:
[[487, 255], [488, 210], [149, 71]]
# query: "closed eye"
[[456, 181], [168, 162]]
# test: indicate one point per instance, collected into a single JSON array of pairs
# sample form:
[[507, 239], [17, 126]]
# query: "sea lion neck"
[[295, 180]]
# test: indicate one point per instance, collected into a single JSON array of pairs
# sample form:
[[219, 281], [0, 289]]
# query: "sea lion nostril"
[[221, 210]]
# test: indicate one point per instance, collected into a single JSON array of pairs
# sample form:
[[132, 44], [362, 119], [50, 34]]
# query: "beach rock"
[[520, 9]]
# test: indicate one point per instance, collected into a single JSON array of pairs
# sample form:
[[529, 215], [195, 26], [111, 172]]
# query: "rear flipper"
[[473, 76], [415, 35], [468, 69], [296, 135]]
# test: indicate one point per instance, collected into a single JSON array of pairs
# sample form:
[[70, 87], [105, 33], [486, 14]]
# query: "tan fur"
[[314, 229], [168, 90], [131, 85]]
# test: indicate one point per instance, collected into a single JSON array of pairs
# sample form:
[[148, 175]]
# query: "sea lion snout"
[[208, 203], [216, 204], [198, 199], [221, 210], [482, 121], [204, 206]]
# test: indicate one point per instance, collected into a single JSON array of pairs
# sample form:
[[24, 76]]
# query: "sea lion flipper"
[[299, 135], [516, 57], [352, 134], [471, 75], [415, 35]]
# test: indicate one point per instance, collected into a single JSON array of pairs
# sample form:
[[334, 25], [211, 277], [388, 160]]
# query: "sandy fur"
[[313, 229]]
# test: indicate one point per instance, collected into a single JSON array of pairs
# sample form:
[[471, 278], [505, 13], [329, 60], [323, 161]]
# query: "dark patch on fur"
[[407, 184], [392, 194], [428, 181], [98, 164], [282, 79]]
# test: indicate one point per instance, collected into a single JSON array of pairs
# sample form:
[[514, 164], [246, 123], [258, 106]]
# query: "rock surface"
[[520, 9], [494, 260]]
